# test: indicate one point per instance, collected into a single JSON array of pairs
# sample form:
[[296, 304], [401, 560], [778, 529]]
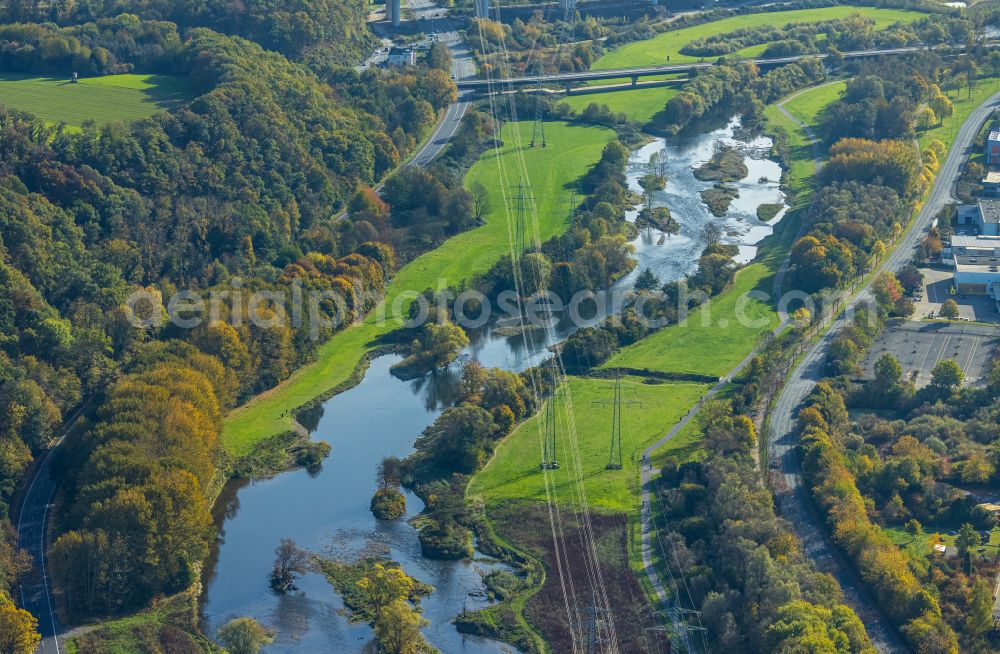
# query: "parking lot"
[[937, 285], [920, 345]]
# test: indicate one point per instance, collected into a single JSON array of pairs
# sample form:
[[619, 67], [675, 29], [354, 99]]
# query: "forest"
[[742, 567], [243, 185], [300, 29]]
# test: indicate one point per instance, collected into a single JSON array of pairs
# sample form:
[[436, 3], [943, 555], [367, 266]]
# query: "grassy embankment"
[[806, 107], [571, 150], [105, 99], [712, 341], [653, 52], [641, 105], [584, 429]]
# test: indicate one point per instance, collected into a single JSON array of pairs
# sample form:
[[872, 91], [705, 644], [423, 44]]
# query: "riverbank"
[[571, 150]]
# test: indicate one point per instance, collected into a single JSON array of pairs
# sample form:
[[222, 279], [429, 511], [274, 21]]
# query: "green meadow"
[[583, 445], [570, 152], [653, 52], [715, 337], [112, 98], [806, 106], [641, 104]]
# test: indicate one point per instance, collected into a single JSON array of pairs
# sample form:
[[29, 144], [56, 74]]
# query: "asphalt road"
[[462, 67], [32, 536], [783, 436]]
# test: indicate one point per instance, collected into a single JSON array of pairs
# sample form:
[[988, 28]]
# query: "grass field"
[[102, 99], [946, 131], [640, 105], [655, 51], [571, 150], [807, 107], [514, 473], [714, 338]]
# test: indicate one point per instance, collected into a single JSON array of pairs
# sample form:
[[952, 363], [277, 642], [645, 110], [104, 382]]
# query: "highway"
[[463, 67], [647, 71], [783, 436]]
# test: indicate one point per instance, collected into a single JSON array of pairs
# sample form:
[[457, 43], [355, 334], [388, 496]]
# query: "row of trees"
[[856, 32], [136, 483], [740, 564], [737, 86]]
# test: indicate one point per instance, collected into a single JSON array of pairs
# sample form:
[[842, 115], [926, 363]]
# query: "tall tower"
[[568, 8]]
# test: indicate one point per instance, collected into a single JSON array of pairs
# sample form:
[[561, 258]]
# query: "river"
[[326, 511]]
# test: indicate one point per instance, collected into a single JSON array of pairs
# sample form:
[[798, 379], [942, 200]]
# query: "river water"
[[326, 511]]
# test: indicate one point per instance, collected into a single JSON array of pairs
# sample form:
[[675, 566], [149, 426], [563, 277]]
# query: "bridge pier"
[[392, 12], [635, 80], [483, 8]]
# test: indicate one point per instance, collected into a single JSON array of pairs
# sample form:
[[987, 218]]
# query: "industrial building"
[[975, 260], [974, 251], [991, 185], [980, 218]]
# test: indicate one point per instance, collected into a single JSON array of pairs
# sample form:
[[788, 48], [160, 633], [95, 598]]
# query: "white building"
[[402, 57], [975, 260], [974, 250]]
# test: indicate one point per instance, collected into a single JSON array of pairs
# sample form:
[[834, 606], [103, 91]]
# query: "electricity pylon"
[[538, 129], [592, 625], [522, 198], [615, 460], [549, 459]]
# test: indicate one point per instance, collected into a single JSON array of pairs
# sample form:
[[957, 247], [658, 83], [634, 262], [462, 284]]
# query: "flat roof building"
[[993, 148], [975, 260], [982, 217], [991, 184]]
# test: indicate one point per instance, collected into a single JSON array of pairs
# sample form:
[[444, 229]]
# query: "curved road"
[[32, 536], [783, 436]]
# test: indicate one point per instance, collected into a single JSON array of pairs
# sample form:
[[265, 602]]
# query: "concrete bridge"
[[566, 79]]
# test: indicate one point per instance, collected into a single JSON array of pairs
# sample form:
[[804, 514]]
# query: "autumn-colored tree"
[[244, 636], [397, 629], [18, 628], [383, 586], [949, 309]]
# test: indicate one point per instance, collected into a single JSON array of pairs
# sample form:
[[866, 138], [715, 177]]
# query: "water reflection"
[[326, 511]]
